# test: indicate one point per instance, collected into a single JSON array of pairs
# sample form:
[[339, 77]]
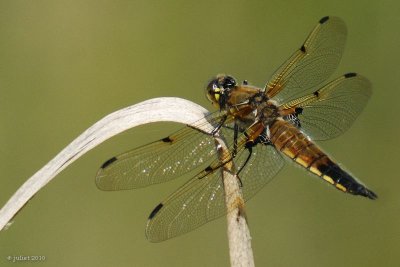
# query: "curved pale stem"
[[153, 110]]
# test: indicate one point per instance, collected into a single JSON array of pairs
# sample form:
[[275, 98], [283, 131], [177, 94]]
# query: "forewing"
[[159, 161], [312, 64], [331, 110]]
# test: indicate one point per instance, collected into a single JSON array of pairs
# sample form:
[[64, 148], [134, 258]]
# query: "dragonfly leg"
[[249, 148], [235, 137], [219, 125]]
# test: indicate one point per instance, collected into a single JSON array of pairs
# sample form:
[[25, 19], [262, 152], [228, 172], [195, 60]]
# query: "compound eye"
[[213, 91], [218, 89], [228, 82]]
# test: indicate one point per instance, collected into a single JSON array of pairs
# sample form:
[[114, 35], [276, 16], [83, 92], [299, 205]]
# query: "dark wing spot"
[[208, 169], [155, 211], [316, 93], [298, 111], [324, 19], [108, 162], [167, 140], [303, 49], [349, 75]]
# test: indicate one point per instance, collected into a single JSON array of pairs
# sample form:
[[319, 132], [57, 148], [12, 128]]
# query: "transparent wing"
[[331, 110], [264, 164], [159, 161], [312, 64], [198, 201], [202, 198]]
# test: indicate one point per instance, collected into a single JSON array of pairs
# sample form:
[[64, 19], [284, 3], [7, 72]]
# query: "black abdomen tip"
[[369, 194], [108, 162], [155, 211], [361, 190], [324, 19]]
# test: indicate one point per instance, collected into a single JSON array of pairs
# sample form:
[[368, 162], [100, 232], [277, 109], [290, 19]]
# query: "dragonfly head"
[[218, 89]]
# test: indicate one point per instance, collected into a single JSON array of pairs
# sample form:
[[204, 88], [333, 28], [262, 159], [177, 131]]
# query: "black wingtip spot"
[[324, 19], [108, 162], [303, 49], [316, 93], [155, 211], [167, 139], [349, 75]]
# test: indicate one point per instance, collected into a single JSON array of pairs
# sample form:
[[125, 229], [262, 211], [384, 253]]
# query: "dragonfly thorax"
[[269, 113]]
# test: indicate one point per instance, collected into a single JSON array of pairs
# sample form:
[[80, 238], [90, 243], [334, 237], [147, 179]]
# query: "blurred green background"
[[66, 64]]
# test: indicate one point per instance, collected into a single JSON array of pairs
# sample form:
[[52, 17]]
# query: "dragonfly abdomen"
[[288, 139]]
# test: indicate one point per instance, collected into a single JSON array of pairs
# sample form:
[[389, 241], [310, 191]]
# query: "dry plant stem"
[[240, 251], [153, 110]]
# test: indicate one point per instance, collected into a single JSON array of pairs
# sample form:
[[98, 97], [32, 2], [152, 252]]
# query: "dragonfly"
[[262, 127]]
